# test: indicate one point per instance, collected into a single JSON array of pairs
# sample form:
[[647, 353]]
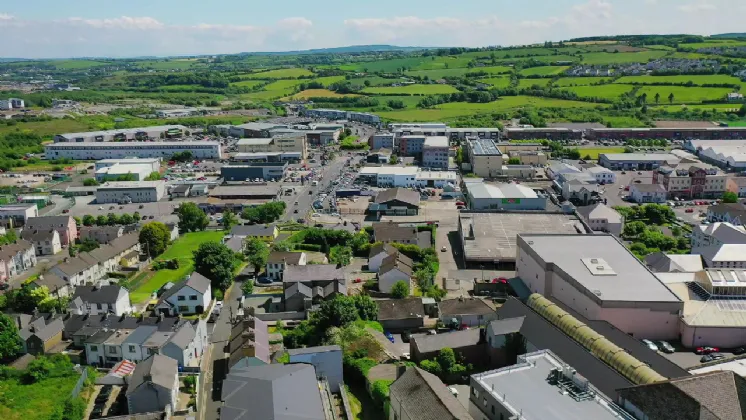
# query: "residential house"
[[46, 242], [101, 234], [419, 395], [95, 300], [271, 392], [55, 284], [327, 361], [249, 342], [153, 386], [602, 175], [647, 193], [718, 233], [188, 343], [64, 225], [401, 314], [733, 213], [723, 256], [396, 202], [580, 192], [602, 218], [394, 268], [389, 232], [659, 262], [39, 332], [81, 327], [377, 253], [89, 267], [500, 334], [278, 261], [306, 285], [468, 312], [113, 346], [467, 344], [94, 347], [132, 346], [15, 259], [190, 296], [267, 233], [737, 184]]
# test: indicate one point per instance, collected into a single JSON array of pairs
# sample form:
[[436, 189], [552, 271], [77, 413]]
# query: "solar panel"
[[484, 147]]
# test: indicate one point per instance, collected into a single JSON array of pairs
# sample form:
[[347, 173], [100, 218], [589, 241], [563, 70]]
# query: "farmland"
[[608, 91], [710, 79], [411, 90], [457, 72], [616, 58], [281, 74], [498, 82], [580, 81], [527, 83], [684, 95], [319, 93], [543, 71]]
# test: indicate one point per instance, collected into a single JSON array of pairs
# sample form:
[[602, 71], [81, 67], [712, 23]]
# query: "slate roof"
[[718, 395], [38, 235], [311, 350], [51, 280], [272, 392], [391, 232], [44, 327], [671, 263], [506, 326], [253, 230], [453, 339], [600, 211], [181, 189], [183, 336], [10, 250], [276, 257], [392, 309], [96, 294], [312, 272], [396, 261], [424, 397], [733, 209], [378, 247], [468, 306], [196, 281], [160, 370], [140, 334], [403, 195], [47, 222], [73, 323]]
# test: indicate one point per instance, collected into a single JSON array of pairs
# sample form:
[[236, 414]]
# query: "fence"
[[81, 382], [346, 401]]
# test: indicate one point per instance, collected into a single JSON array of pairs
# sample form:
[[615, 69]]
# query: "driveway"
[[395, 349]]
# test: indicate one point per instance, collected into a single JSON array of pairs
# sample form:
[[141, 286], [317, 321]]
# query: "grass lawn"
[[36, 401], [610, 91], [281, 74], [580, 81], [615, 58], [543, 71], [595, 152], [247, 83], [527, 83], [623, 122], [77, 64], [412, 90], [457, 72], [181, 249], [736, 123], [684, 95], [320, 93], [498, 82], [709, 79]]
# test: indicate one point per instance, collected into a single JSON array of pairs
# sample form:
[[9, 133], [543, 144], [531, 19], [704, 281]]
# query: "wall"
[[727, 337], [328, 364]]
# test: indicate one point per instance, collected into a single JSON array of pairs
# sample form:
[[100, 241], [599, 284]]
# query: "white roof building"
[[436, 141], [723, 256]]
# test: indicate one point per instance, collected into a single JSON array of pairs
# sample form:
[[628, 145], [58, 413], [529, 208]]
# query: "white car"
[[405, 356], [453, 390], [650, 344]]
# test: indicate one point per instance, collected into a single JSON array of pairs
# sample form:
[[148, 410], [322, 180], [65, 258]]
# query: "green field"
[[609, 91], [319, 93], [457, 72], [170, 64], [434, 89], [276, 89], [376, 81], [708, 107], [527, 83], [291, 73], [715, 44], [579, 81], [623, 122], [247, 83], [498, 82], [710, 79], [684, 95], [543, 71], [594, 152], [36, 401], [78, 64], [329, 80], [181, 250], [616, 58]]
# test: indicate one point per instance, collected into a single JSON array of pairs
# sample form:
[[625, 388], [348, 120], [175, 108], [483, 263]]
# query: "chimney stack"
[[400, 370]]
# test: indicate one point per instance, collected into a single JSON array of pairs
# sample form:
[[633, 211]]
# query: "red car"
[[689, 211], [358, 281], [706, 350], [460, 203], [500, 280], [626, 188]]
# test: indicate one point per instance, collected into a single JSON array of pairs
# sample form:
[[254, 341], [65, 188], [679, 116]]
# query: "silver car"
[[650, 344], [666, 347]]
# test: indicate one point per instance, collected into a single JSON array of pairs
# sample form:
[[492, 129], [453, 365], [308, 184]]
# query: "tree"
[[671, 98], [730, 197], [102, 220], [248, 287], [265, 213], [282, 246], [340, 255], [215, 261], [113, 219], [90, 182], [514, 161], [191, 218], [10, 340], [393, 160], [257, 253], [126, 219], [367, 309], [154, 176], [573, 154], [136, 216], [154, 238], [447, 359], [400, 290], [78, 221], [87, 245], [337, 312], [89, 220], [229, 219], [633, 229], [657, 97]]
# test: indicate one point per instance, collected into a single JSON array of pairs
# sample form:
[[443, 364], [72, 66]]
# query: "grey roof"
[[486, 191], [38, 235], [399, 194], [100, 337], [724, 232], [424, 397], [298, 288], [287, 257], [396, 261], [660, 262], [506, 326], [183, 336], [10, 250], [392, 232], [467, 306], [272, 392], [196, 281], [392, 309], [649, 188], [74, 323], [312, 272], [98, 294], [733, 209], [160, 370], [47, 222], [378, 247], [181, 189], [311, 350], [483, 147], [158, 339], [253, 230], [140, 334], [51, 280], [44, 327], [235, 243], [622, 278], [454, 339], [640, 157], [600, 211]]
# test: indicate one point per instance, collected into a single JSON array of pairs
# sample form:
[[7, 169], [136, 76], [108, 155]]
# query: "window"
[[131, 348], [192, 297], [98, 306], [94, 348], [181, 298], [183, 309], [112, 349]]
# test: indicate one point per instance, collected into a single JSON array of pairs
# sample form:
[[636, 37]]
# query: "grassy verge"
[[595, 152], [37, 401]]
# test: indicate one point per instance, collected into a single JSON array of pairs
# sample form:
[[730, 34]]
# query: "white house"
[[602, 218], [602, 175], [46, 242], [647, 193], [191, 296], [94, 347], [96, 300], [717, 234], [132, 346], [278, 261], [377, 253], [723, 256], [394, 268], [188, 344]]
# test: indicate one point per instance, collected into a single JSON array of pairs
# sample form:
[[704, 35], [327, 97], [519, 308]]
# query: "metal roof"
[[484, 147]]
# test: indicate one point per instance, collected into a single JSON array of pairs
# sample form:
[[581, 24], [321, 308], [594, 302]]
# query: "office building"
[[485, 158], [250, 171], [130, 192], [121, 150], [637, 161], [282, 144], [435, 153], [123, 135]]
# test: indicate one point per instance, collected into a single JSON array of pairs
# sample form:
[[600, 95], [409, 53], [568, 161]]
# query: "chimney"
[[400, 370], [160, 317], [19, 322]]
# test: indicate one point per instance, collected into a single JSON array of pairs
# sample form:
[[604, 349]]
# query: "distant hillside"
[[731, 35], [342, 50]]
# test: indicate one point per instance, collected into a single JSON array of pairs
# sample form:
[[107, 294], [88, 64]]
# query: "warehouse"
[[435, 179], [130, 192], [261, 191], [128, 134], [637, 161], [17, 214], [254, 130], [704, 133], [153, 164], [263, 171], [464, 133], [121, 150], [283, 144], [135, 172], [556, 133], [389, 176], [481, 196]]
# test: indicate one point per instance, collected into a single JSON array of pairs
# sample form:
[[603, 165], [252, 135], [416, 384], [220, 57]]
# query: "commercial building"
[[490, 238], [263, 171], [396, 202], [556, 133], [268, 157], [411, 145], [121, 150], [485, 158], [17, 214], [647, 193], [383, 141], [177, 113], [282, 144], [118, 171], [131, 192], [261, 191], [436, 179], [705, 133], [432, 126], [465, 133], [723, 255], [733, 213], [727, 154], [154, 164], [390, 176], [481, 196], [637, 161], [529, 157], [254, 129], [602, 175], [123, 135], [338, 114], [435, 153], [322, 137], [598, 277], [692, 180]]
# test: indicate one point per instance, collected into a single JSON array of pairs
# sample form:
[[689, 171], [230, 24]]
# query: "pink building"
[[64, 225]]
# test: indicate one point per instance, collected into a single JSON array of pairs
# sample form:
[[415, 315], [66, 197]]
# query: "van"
[[315, 183]]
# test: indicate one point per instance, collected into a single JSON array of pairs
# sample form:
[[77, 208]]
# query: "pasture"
[[411, 90], [608, 91], [684, 95], [291, 73], [527, 83], [247, 83], [77, 64], [319, 93], [457, 72], [580, 81], [708, 79], [329, 80], [543, 70], [170, 64], [498, 82], [617, 58]]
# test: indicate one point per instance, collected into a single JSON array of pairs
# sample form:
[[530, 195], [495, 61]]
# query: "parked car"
[[650, 344], [711, 357], [406, 336], [389, 336], [706, 350], [665, 347], [689, 211], [738, 351]]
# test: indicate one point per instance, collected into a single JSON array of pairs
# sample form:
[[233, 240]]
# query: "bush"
[[217, 294], [190, 383], [308, 247], [400, 290], [379, 390], [357, 369], [248, 287]]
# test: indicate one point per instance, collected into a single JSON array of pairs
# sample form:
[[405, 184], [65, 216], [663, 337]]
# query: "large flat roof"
[[640, 157], [492, 236], [124, 144], [482, 191], [255, 142], [123, 130], [524, 389], [389, 170], [124, 168], [484, 147], [600, 264], [129, 185], [436, 141]]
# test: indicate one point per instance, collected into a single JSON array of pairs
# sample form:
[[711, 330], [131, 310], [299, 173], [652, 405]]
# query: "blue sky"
[[51, 28]]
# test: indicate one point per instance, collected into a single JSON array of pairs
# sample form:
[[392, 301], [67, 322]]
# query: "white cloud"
[[697, 7], [124, 22], [5, 16]]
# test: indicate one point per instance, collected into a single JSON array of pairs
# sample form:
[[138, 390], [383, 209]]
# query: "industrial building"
[[177, 113], [704, 133], [435, 153], [262, 171], [121, 150], [485, 158], [127, 134], [338, 114], [637, 161], [481, 196], [261, 191], [267, 157], [154, 164], [131, 192], [282, 144], [254, 130], [322, 137], [599, 278], [406, 176], [138, 171], [490, 237], [465, 133], [549, 133]]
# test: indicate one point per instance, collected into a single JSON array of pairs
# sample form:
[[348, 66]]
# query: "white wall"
[[187, 292], [374, 263], [727, 337]]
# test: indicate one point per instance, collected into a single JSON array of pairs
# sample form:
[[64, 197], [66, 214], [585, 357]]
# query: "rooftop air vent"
[[598, 267]]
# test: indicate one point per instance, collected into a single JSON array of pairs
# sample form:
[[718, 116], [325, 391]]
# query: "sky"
[[131, 28]]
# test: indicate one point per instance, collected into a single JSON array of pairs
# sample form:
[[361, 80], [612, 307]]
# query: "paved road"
[[304, 199]]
